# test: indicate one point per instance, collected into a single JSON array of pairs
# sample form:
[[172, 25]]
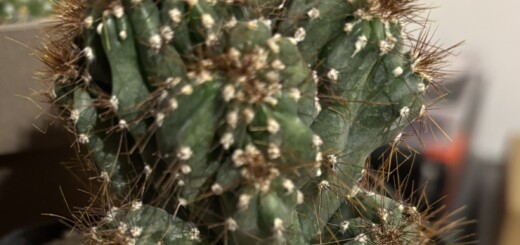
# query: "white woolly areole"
[[273, 151], [423, 110], [122, 124], [278, 226], [249, 115], [187, 89], [118, 10], [159, 119], [83, 139], [184, 153], [192, 2], [136, 231], [228, 93], [361, 238], [99, 28], [237, 158], [315, 76], [299, 35], [243, 202], [185, 169], [182, 202], [404, 112], [252, 25], [316, 140], [383, 214], [295, 94], [123, 35], [167, 33], [130, 241], [272, 76], [397, 71], [266, 22], [324, 185], [114, 102], [234, 54], [207, 21], [272, 126], [231, 23], [360, 44], [136, 205], [231, 224], [299, 197], [318, 172], [155, 42], [333, 74], [385, 47], [343, 227], [173, 104], [319, 157], [227, 140], [232, 118], [400, 207], [89, 54], [74, 116], [271, 100], [273, 43], [217, 189], [147, 170], [288, 185], [317, 104], [194, 234], [175, 15], [333, 161], [313, 13], [211, 39], [88, 22], [348, 27], [421, 87], [278, 65], [122, 228]]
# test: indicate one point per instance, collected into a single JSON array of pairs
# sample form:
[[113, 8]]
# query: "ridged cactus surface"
[[239, 122]]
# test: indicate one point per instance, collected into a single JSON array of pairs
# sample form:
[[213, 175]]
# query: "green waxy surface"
[[192, 106], [148, 225]]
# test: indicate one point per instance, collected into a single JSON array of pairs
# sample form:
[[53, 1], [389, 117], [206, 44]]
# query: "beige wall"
[[491, 30], [17, 113]]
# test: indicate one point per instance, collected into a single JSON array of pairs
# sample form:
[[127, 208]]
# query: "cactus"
[[12, 11], [239, 122]]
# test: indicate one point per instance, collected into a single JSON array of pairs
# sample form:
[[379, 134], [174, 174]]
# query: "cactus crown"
[[236, 122]]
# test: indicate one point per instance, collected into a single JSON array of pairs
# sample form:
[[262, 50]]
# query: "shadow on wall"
[[34, 184]]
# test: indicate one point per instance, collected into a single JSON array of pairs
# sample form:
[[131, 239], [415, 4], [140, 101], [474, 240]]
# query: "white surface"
[[491, 30]]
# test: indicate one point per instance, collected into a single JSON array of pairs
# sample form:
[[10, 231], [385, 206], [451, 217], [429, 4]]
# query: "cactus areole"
[[238, 122]]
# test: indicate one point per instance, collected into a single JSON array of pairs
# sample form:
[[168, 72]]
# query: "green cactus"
[[239, 122], [12, 11]]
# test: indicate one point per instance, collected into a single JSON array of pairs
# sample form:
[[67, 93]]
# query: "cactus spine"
[[239, 122]]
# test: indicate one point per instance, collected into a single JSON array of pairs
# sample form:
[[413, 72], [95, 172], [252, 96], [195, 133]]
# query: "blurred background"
[[468, 155]]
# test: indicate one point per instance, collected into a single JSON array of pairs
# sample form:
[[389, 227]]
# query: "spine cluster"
[[239, 122]]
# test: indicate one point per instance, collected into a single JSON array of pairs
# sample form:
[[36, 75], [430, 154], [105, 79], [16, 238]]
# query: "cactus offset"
[[239, 121]]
